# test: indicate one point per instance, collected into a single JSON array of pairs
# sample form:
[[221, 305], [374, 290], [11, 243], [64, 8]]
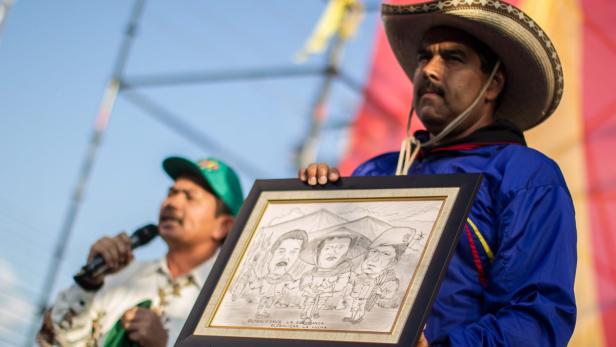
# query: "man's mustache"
[[430, 87], [170, 214]]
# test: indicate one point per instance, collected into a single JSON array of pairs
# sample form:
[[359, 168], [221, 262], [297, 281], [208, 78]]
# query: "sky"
[[56, 58]]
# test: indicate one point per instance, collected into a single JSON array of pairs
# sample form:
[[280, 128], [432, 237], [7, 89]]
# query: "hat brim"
[[534, 83], [177, 166], [359, 245], [218, 178]]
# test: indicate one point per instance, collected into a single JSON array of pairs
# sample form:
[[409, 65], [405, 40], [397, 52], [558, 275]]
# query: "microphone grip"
[[98, 266], [92, 269], [94, 265]]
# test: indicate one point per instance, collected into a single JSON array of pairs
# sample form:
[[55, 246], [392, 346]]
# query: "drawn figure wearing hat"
[[284, 253], [332, 255], [483, 72], [376, 279]]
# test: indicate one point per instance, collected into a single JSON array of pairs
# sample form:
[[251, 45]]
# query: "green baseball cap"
[[219, 177]]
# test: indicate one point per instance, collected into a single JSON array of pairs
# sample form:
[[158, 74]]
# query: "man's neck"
[[485, 120], [182, 260]]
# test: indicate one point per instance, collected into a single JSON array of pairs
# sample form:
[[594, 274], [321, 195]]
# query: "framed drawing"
[[359, 261]]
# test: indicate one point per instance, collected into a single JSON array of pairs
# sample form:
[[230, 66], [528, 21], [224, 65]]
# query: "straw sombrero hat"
[[358, 246], [534, 73], [395, 236]]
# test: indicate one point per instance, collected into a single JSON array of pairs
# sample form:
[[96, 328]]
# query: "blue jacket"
[[510, 280]]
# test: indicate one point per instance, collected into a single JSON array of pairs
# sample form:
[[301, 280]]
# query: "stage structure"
[[120, 85], [579, 136]]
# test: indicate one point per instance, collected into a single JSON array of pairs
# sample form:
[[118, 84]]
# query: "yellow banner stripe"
[[562, 138]]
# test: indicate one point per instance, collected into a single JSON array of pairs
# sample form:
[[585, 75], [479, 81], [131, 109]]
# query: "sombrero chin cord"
[[410, 145]]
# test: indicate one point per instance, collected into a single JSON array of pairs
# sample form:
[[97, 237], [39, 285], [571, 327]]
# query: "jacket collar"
[[498, 133]]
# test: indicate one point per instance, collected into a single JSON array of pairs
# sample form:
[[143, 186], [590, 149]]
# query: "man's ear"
[[496, 86], [225, 223]]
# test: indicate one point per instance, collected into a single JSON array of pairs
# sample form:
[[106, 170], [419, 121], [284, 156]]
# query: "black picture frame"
[[457, 192]]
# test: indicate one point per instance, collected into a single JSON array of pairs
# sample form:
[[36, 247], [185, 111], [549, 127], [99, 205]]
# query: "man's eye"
[[454, 57]]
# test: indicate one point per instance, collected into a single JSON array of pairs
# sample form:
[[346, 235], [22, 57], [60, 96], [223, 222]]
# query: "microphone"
[[97, 266]]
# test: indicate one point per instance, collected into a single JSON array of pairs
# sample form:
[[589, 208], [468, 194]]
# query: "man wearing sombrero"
[[483, 72]]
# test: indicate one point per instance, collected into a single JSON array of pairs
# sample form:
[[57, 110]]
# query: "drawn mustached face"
[[333, 251], [378, 259], [284, 256]]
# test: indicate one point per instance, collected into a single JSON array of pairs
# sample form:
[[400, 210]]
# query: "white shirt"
[[96, 312]]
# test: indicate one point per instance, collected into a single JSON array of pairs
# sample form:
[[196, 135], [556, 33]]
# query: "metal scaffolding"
[[120, 85]]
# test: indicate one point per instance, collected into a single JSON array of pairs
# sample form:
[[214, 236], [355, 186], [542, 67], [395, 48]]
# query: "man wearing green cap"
[[146, 303]]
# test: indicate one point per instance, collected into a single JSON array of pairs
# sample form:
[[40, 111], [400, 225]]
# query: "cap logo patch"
[[209, 165]]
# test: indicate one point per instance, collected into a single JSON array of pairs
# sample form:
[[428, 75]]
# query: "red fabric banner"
[[599, 115], [591, 81]]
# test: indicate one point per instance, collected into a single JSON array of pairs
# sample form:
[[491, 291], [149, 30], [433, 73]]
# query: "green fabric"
[[221, 178], [116, 337]]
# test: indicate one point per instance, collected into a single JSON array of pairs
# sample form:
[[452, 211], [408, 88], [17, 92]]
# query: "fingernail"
[[312, 181], [322, 179]]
